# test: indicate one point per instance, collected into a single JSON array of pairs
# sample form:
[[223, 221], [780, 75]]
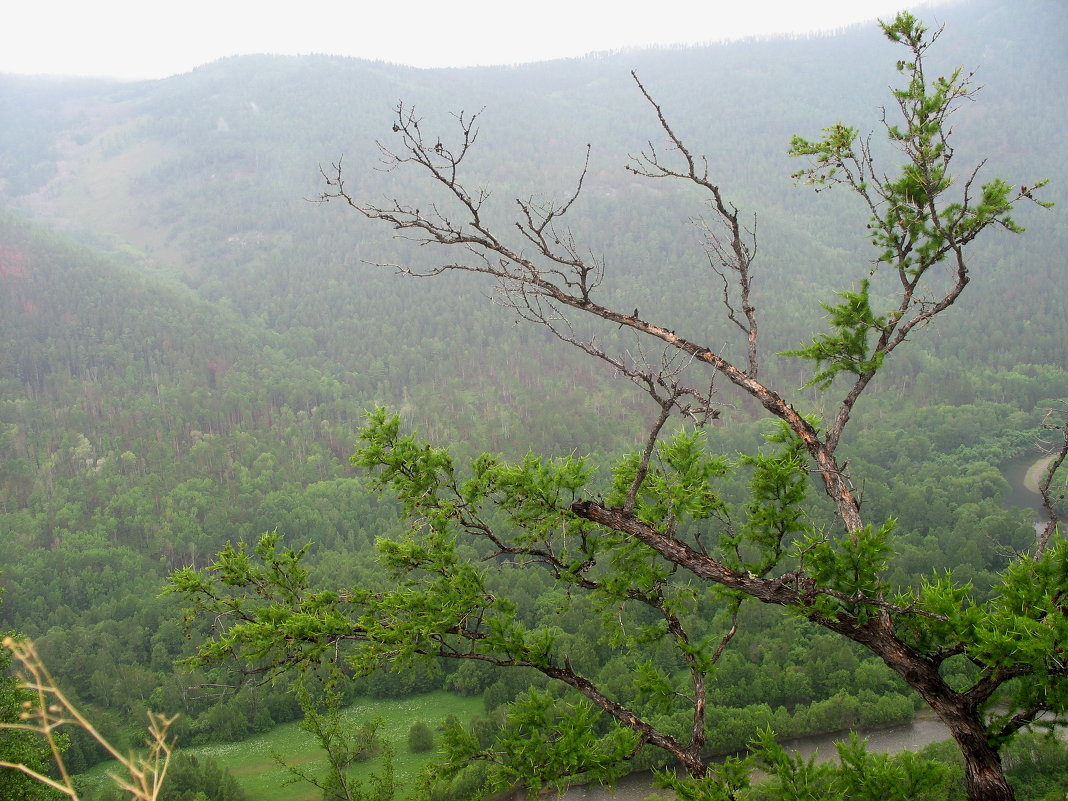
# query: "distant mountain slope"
[[128, 363], [207, 174]]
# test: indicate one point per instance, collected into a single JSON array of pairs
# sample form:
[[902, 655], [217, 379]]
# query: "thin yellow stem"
[[52, 710]]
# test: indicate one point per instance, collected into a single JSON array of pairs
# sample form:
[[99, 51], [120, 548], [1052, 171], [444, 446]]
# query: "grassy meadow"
[[252, 763]]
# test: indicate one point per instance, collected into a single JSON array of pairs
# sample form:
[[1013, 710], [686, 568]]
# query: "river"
[[912, 736], [1024, 488]]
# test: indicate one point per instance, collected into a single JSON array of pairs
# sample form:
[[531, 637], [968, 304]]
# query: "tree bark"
[[984, 776]]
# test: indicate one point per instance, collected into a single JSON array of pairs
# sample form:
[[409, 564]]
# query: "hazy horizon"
[[132, 41]]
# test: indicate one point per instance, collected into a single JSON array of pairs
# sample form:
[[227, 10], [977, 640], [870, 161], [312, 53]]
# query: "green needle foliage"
[[847, 349]]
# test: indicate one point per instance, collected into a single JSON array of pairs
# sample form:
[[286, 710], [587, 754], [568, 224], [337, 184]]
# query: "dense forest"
[[189, 345]]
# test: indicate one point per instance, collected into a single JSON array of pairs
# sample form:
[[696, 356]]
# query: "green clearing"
[[252, 764]]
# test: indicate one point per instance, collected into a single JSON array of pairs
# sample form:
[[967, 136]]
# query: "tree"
[[343, 746], [649, 547], [420, 738]]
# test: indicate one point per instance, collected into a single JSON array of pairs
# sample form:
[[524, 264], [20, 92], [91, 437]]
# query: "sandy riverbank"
[[1035, 473]]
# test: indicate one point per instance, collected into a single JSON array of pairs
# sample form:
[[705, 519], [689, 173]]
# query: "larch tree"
[[661, 533]]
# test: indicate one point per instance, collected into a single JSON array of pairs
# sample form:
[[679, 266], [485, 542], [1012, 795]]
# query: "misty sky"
[[158, 38]]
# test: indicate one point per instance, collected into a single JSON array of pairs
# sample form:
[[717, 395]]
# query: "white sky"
[[158, 38]]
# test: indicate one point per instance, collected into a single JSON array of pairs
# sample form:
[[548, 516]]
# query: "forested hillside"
[[189, 343]]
